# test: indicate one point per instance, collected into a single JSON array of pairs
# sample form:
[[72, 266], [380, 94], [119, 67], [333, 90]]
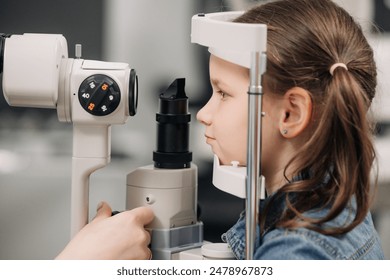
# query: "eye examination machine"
[[94, 95]]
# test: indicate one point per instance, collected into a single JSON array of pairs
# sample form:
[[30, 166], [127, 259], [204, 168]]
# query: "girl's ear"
[[296, 114]]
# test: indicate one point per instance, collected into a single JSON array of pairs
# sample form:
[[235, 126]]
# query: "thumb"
[[103, 211], [143, 214]]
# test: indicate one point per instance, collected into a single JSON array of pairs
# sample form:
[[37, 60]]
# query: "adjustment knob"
[[99, 95]]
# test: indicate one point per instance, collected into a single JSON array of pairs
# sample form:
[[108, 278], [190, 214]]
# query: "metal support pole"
[[255, 92]]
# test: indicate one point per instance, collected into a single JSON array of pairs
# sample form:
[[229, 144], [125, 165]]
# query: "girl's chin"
[[225, 161]]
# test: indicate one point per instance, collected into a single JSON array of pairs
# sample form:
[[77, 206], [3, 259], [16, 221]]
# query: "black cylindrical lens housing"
[[173, 128]]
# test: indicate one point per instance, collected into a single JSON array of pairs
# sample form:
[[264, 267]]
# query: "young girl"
[[317, 149]]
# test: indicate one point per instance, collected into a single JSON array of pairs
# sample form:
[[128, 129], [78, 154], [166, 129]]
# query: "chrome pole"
[[255, 94]]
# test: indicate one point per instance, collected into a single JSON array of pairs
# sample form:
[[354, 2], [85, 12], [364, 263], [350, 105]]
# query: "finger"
[[103, 211], [146, 254], [144, 215], [147, 237]]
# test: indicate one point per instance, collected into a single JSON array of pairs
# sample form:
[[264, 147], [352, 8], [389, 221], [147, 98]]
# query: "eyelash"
[[221, 94]]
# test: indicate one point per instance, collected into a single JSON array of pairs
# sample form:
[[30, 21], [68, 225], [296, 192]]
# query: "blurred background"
[[154, 38]]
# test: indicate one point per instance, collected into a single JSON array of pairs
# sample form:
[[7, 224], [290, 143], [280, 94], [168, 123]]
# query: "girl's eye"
[[222, 94]]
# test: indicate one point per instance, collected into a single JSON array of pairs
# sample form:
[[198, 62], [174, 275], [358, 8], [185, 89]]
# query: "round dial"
[[99, 95]]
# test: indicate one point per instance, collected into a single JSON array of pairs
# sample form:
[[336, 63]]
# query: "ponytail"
[[351, 159]]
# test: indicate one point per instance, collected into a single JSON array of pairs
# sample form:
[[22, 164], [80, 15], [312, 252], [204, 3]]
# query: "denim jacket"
[[298, 244]]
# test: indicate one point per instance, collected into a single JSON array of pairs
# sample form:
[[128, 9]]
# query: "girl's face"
[[225, 114]]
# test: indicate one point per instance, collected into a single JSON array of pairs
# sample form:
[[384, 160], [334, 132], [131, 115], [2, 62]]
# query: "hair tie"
[[334, 66]]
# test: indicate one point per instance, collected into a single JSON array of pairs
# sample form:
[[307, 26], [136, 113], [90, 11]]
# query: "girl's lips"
[[209, 139]]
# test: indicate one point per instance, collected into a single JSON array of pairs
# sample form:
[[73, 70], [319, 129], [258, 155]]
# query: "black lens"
[[133, 92], [2, 43], [2, 47], [173, 121]]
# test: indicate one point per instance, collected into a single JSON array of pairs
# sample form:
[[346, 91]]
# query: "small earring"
[[284, 131]]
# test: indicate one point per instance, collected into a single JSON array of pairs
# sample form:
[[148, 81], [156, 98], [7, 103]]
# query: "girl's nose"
[[204, 115]]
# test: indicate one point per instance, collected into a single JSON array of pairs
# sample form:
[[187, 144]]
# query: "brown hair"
[[305, 38]]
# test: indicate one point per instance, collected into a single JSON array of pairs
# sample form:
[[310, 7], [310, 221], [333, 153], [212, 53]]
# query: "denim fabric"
[[294, 244]]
